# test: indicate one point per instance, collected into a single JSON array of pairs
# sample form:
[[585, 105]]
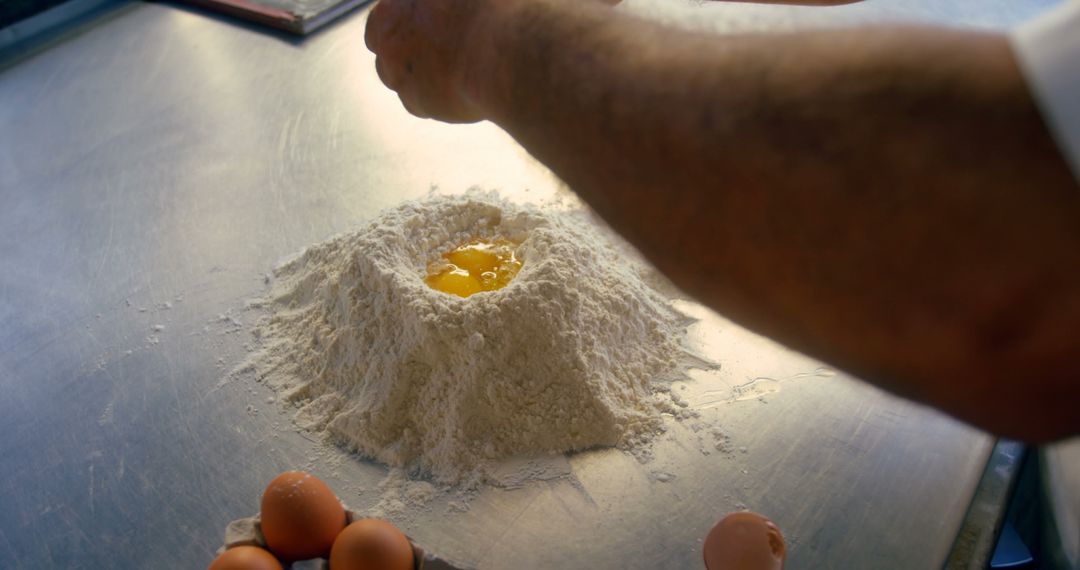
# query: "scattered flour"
[[578, 351], [399, 495]]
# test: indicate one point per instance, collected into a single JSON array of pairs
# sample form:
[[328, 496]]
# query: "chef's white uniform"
[[1048, 49]]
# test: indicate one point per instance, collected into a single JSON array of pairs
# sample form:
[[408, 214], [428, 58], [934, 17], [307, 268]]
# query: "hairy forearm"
[[886, 199]]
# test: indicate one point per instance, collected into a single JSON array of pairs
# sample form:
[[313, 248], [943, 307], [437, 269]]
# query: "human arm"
[[886, 199]]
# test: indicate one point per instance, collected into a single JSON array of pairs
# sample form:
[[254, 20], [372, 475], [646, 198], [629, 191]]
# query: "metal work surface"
[[155, 166]]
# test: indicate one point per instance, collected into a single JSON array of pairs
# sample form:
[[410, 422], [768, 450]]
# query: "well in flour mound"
[[576, 352]]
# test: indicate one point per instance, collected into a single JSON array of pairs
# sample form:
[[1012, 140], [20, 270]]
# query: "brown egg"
[[245, 558], [745, 541], [371, 544], [301, 516]]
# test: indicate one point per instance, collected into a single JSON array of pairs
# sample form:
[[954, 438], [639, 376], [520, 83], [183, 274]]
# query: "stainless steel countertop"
[[156, 165]]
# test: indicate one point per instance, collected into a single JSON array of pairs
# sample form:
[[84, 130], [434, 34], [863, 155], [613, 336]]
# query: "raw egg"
[[745, 541], [371, 544], [300, 516], [480, 265], [245, 558]]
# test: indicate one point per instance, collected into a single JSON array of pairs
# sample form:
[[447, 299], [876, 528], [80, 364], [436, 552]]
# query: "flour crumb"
[[419, 492], [457, 506], [106, 416], [661, 477]]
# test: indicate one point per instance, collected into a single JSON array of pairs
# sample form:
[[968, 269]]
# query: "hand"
[[431, 52]]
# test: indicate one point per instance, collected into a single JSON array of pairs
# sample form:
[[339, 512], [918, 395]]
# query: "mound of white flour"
[[576, 352]]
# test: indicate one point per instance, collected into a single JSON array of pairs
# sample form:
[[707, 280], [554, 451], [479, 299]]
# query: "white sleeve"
[[1048, 50]]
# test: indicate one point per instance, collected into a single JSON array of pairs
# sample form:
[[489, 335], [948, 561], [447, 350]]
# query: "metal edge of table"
[[978, 533]]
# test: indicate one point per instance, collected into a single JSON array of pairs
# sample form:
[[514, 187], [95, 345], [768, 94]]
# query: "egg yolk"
[[480, 265]]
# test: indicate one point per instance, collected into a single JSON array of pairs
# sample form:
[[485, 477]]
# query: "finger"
[[413, 107], [373, 27], [384, 74]]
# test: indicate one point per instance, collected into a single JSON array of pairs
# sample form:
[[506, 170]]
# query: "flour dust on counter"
[[577, 351]]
